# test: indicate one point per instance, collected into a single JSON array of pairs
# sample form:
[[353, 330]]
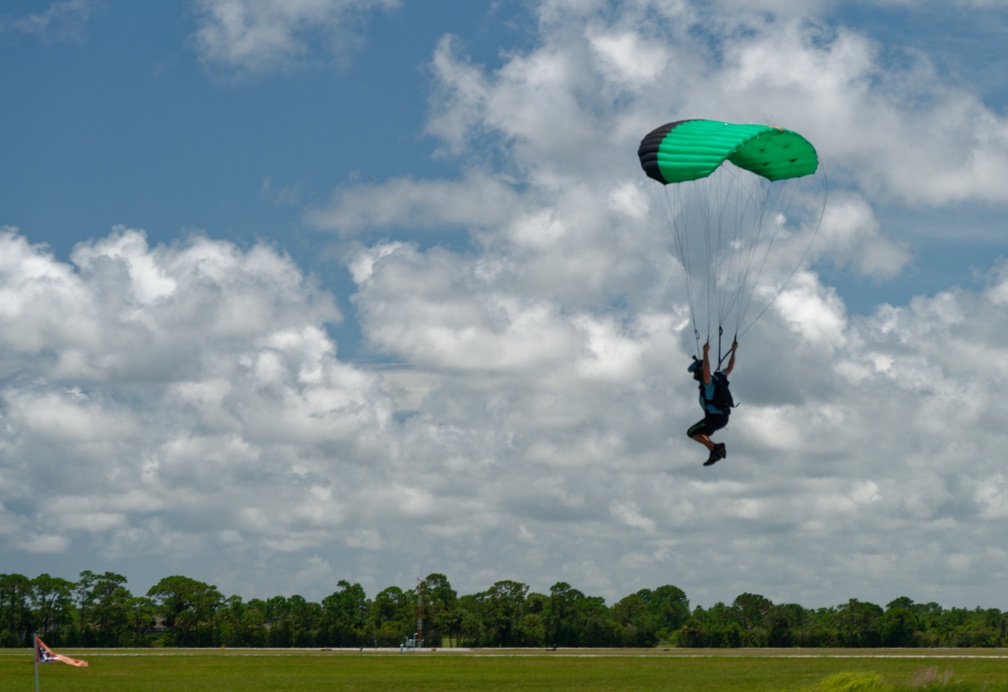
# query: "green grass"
[[653, 669]]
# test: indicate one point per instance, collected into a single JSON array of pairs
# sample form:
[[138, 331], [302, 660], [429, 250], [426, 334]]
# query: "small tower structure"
[[419, 615]]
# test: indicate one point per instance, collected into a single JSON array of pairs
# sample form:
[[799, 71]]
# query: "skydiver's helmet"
[[696, 367]]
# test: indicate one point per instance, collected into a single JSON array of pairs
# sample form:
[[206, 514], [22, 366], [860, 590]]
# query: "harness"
[[721, 401]]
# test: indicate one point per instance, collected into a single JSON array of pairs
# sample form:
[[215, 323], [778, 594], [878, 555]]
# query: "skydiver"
[[715, 416]]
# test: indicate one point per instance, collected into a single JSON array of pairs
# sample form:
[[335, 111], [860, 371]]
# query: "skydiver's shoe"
[[720, 449], [713, 458]]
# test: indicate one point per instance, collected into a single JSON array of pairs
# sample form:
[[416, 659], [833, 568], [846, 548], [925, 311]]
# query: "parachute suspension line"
[[675, 208], [724, 263], [710, 249], [815, 232], [737, 251], [741, 218], [687, 197], [731, 266], [760, 194], [761, 208], [710, 235], [730, 215], [721, 229], [776, 207], [716, 261], [730, 224]]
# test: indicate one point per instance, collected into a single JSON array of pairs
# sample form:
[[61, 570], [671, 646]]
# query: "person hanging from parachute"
[[727, 191], [715, 400]]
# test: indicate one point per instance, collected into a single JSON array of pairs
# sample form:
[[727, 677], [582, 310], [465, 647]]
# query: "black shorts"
[[710, 423]]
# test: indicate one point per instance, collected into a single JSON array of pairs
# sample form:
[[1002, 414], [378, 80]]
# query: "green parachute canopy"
[[692, 149]]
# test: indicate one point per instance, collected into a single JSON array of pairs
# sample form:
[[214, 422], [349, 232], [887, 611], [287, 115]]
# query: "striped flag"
[[43, 654]]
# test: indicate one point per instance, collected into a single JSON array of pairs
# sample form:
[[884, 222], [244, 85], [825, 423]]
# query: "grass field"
[[508, 669]]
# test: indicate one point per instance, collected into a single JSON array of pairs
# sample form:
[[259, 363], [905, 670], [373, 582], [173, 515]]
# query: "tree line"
[[98, 610]]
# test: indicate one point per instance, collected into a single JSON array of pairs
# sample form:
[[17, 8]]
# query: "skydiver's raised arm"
[[706, 363], [731, 361]]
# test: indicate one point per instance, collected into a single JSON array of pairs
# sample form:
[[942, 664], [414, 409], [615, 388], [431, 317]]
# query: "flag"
[[43, 654]]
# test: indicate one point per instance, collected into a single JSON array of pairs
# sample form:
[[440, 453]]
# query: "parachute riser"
[[721, 359]]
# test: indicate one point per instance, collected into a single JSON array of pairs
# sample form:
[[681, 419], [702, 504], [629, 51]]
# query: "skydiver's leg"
[[715, 423], [698, 432], [704, 440]]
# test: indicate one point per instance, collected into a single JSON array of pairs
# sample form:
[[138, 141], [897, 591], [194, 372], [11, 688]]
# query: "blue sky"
[[241, 150], [369, 289], [125, 124]]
